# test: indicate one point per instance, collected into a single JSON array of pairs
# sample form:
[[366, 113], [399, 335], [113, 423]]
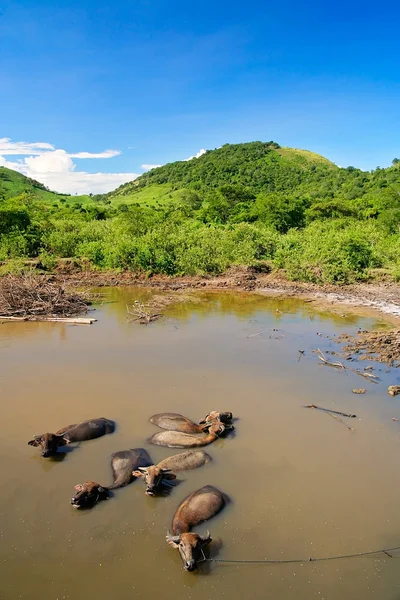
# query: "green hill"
[[257, 166], [13, 184], [239, 204], [260, 168]]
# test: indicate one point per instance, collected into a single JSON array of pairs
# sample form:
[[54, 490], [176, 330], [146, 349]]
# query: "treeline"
[[318, 222]]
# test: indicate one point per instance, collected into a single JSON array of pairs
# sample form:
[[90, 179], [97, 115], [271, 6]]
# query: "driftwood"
[[71, 320]]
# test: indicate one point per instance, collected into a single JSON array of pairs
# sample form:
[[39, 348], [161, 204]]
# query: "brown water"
[[301, 484]]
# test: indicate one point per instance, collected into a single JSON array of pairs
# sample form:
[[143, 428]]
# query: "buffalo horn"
[[172, 538]]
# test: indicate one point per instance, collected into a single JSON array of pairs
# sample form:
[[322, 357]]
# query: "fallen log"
[[71, 320]]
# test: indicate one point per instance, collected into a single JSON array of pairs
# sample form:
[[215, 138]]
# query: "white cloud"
[[80, 182], [149, 167], [57, 161], [7, 147], [56, 169], [105, 154], [200, 153]]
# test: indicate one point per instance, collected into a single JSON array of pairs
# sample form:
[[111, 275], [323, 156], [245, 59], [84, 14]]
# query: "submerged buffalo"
[[224, 417], [177, 422], [177, 439], [196, 508], [123, 466], [79, 432], [156, 476]]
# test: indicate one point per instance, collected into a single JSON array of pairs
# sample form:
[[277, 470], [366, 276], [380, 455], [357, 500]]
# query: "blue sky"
[[157, 81]]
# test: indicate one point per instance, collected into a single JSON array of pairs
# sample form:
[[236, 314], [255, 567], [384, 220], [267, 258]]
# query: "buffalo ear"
[[173, 540], [35, 442], [169, 476], [137, 474], [62, 441]]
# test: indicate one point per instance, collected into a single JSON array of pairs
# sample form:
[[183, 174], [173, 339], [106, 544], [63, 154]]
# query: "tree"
[[395, 161]]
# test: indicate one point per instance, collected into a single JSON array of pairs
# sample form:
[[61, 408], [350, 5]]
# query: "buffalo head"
[[49, 442], [224, 417], [153, 477], [88, 494], [190, 546]]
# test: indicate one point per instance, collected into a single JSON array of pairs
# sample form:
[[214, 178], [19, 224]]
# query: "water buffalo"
[[177, 422], [224, 417], [123, 465], [177, 439], [157, 475], [196, 508], [79, 432]]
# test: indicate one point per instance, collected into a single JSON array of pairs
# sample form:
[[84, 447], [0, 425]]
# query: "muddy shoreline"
[[369, 299]]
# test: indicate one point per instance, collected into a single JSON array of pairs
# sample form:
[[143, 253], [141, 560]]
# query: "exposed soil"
[[374, 345]]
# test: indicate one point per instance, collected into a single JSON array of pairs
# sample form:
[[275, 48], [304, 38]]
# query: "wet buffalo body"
[[157, 476], [123, 464], [196, 508], [78, 432]]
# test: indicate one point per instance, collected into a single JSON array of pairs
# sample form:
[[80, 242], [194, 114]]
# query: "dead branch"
[[325, 361], [369, 376], [142, 313], [329, 410]]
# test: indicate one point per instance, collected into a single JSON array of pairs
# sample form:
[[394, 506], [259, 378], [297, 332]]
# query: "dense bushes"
[[334, 250], [237, 205], [339, 253]]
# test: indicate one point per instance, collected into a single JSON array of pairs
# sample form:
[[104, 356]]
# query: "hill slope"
[[14, 184], [257, 166]]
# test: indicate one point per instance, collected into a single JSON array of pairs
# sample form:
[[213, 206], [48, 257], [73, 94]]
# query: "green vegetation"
[[239, 204]]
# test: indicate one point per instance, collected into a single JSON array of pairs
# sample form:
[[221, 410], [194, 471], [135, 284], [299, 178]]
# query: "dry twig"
[[325, 361]]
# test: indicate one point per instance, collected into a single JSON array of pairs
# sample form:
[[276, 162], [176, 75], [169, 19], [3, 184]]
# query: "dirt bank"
[[362, 298]]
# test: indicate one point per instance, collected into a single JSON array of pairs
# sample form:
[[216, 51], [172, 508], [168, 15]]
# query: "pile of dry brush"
[[33, 296]]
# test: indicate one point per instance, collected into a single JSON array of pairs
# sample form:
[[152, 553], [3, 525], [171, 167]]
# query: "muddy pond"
[[301, 483]]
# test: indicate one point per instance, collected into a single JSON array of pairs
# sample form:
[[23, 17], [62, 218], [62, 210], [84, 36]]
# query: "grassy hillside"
[[260, 168], [257, 166], [14, 184]]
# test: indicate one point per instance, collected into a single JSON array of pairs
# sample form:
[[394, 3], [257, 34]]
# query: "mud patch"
[[381, 346]]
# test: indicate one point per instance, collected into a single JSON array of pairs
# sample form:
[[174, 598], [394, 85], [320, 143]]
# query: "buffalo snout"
[[190, 565]]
